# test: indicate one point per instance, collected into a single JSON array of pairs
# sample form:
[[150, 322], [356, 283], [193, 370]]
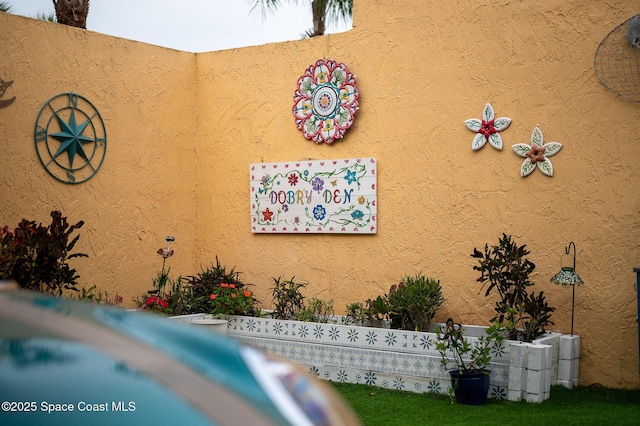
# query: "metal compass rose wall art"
[[325, 101], [70, 138], [4, 85]]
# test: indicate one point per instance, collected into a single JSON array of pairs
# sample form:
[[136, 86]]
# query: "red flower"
[[267, 215], [487, 128], [224, 285], [233, 295], [151, 300], [232, 286], [212, 297], [163, 303], [247, 293]]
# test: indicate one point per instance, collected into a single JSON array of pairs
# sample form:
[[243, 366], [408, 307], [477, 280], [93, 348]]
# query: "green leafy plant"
[[213, 290], [166, 292], [207, 282], [506, 270], [287, 297], [231, 300], [370, 313], [316, 310], [94, 295], [414, 302], [36, 256], [458, 353], [355, 313], [378, 309]]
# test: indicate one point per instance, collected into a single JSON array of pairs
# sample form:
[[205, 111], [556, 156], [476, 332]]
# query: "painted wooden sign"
[[315, 196]]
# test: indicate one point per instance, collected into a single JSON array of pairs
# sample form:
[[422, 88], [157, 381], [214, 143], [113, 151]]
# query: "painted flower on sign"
[[319, 212], [350, 177], [536, 154], [317, 184], [487, 128], [325, 101], [268, 214], [337, 196]]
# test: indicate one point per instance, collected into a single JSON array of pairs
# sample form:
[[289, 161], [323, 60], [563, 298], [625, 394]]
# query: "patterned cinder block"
[[397, 359]]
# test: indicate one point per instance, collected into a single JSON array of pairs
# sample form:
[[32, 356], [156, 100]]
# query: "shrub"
[[231, 300], [36, 256], [459, 353], [201, 286], [506, 269], [414, 302], [378, 309], [316, 311], [355, 314], [287, 297], [94, 295]]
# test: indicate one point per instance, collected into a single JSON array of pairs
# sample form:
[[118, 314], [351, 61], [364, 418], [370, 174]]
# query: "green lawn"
[[580, 406]]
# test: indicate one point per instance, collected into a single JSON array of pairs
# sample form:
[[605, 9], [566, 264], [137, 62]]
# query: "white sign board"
[[314, 196]]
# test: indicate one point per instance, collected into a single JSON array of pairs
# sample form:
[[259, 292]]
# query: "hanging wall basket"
[[325, 101], [617, 61]]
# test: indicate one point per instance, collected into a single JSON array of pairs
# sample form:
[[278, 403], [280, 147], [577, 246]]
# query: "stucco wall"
[[146, 187], [183, 129]]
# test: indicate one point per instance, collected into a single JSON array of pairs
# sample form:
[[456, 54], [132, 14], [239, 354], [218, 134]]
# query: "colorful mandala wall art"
[[487, 128], [325, 101], [536, 154]]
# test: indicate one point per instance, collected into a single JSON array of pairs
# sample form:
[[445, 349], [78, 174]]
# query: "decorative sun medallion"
[[536, 154], [70, 138], [487, 128], [325, 101]]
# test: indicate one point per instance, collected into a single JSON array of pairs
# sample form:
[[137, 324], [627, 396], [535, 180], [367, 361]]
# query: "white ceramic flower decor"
[[487, 128], [536, 154]]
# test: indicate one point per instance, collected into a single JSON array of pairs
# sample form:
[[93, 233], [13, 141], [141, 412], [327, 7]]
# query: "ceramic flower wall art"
[[537, 154], [325, 101], [487, 128]]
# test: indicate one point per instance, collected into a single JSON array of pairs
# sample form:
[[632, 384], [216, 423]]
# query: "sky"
[[191, 25]]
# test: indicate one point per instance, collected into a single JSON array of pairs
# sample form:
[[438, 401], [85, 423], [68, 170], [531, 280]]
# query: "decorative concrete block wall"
[[399, 359], [569, 361], [530, 372]]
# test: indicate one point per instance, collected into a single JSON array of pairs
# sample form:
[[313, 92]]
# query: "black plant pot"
[[470, 388]]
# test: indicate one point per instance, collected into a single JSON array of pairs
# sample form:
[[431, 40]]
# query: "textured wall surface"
[[146, 186], [183, 129]]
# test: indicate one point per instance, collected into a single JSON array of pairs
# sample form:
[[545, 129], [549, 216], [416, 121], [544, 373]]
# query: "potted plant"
[[467, 361]]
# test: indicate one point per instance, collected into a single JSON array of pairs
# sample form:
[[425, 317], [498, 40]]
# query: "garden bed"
[[406, 360]]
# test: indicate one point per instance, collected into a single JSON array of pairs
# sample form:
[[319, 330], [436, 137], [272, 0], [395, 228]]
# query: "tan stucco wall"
[[145, 96], [183, 129]]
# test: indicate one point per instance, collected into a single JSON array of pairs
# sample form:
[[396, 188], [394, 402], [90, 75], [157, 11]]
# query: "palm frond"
[[339, 10], [51, 17], [5, 7]]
